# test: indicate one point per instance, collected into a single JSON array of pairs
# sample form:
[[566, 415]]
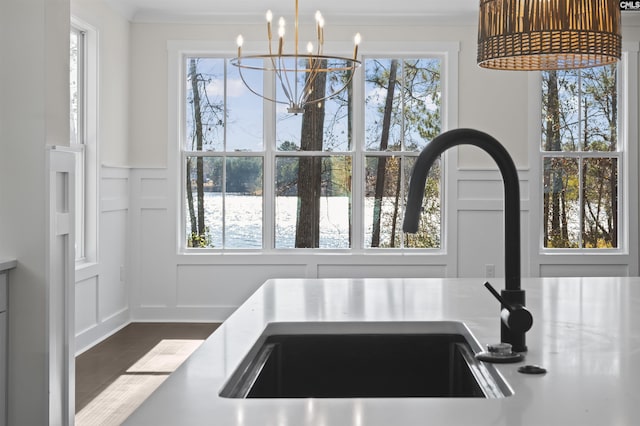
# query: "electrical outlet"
[[489, 270]]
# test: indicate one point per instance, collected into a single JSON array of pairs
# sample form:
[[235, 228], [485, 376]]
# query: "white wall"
[[113, 74], [102, 293], [168, 285]]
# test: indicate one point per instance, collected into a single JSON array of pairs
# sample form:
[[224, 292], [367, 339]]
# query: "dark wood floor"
[[99, 366]]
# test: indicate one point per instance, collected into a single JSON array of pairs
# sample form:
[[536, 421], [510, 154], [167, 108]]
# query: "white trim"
[[366, 18], [60, 272]]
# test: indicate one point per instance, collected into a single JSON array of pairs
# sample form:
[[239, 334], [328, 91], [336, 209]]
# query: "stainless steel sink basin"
[[365, 360]]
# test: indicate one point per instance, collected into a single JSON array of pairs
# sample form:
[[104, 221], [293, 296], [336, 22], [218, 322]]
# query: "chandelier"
[[297, 73], [548, 34]]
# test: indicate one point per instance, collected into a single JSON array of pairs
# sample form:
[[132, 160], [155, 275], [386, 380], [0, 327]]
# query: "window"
[[581, 158], [77, 127], [82, 131], [402, 114], [223, 158], [334, 177]]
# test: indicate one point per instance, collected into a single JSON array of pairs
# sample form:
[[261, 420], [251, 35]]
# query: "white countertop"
[[586, 332], [6, 264]]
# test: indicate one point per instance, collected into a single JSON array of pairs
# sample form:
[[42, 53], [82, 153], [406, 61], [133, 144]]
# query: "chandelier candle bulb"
[[269, 19], [280, 35], [356, 41], [239, 41], [318, 19], [310, 51]]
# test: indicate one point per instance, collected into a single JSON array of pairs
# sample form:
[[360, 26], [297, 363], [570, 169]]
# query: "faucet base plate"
[[500, 353]]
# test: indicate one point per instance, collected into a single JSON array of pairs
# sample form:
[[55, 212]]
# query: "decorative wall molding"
[[101, 287], [170, 286]]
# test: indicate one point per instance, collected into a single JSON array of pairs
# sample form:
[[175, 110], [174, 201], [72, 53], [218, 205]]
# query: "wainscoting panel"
[[156, 281], [592, 270], [480, 242], [113, 293], [391, 270], [102, 292], [86, 307], [169, 286], [226, 285]]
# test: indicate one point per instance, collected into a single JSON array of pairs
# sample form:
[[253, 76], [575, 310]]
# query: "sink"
[[365, 360]]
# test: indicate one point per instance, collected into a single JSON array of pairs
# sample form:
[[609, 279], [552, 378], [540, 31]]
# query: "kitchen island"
[[586, 333]]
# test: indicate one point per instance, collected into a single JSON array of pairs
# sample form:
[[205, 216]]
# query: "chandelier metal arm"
[[296, 87], [335, 92], [248, 86]]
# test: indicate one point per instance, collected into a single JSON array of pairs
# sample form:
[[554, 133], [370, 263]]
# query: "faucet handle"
[[495, 294], [516, 317]]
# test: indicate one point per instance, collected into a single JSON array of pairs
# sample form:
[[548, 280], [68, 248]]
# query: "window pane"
[[402, 103], [600, 203], [243, 202], [204, 201], [205, 118], [580, 109], [560, 110], [383, 104], [244, 112], [325, 126], [561, 209], [384, 204], [313, 202], [430, 227], [422, 95], [75, 86], [599, 108], [237, 210]]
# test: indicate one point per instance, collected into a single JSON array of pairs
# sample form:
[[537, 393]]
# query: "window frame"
[[78, 142], [446, 51], [625, 257], [580, 155], [86, 147], [363, 153]]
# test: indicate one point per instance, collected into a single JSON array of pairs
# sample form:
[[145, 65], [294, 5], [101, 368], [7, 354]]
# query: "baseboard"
[[89, 338]]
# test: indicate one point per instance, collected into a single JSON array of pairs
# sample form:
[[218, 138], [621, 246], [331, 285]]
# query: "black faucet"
[[515, 319]]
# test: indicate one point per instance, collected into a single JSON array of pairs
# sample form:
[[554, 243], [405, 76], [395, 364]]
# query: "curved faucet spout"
[[512, 293], [511, 191]]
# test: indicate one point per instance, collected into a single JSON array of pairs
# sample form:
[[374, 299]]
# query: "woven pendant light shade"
[[532, 35]]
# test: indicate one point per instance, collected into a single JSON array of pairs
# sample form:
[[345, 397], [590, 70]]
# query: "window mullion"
[[224, 157], [269, 166], [358, 152], [581, 190]]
